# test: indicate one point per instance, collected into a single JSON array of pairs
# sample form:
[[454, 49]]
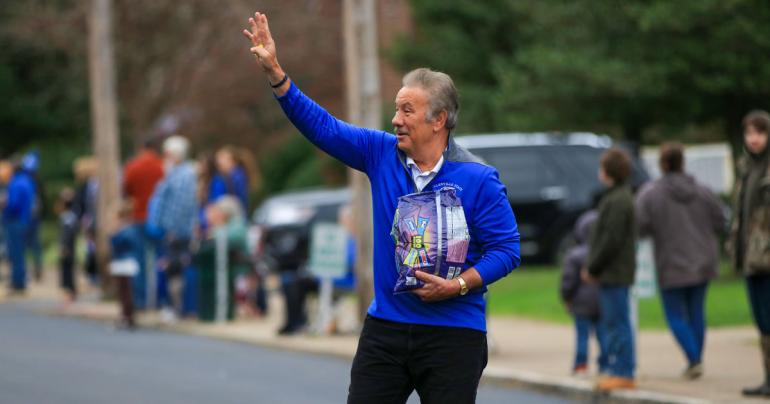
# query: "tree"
[[44, 91], [623, 67]]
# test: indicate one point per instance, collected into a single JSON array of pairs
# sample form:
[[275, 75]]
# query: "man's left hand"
[[436, 288]]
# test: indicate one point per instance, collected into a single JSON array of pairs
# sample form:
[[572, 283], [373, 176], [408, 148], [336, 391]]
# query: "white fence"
[[710, 164]]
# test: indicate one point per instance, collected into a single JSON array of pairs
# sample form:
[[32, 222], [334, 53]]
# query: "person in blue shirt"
[[433, 339], [30, 163], [173, 213], [17, 217], [231, 177]]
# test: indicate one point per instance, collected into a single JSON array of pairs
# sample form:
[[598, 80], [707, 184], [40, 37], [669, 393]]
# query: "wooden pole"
[[104, 122], [364, 109]]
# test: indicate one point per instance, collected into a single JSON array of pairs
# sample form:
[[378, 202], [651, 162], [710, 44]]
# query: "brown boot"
[[609, 383], [763, 389]]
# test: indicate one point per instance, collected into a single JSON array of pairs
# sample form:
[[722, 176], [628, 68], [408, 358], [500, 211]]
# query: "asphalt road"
[[47, 359]]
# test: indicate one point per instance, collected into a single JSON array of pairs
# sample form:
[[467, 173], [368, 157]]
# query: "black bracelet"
[[280, 83]]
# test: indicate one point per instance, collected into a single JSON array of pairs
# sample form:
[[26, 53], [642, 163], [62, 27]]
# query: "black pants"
[[67, 274], [759, 297], [443, 364], [295, 288], [126, 300]]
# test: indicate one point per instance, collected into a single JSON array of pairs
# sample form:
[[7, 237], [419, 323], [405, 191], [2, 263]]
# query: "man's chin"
[[402, 144]]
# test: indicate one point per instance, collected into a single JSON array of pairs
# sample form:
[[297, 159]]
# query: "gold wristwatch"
[[463, 286]]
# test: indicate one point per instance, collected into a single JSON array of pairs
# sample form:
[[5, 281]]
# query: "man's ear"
[[439, 121]]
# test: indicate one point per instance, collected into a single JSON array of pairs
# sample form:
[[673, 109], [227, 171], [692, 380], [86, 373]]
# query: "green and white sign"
[[645, 285], [328, 250]]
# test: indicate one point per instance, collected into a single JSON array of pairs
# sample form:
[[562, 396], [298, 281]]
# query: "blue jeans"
[[759, 297], [146, 253], [583, 327], [16, 239], [619, 335], [685, 315], [190, 291]]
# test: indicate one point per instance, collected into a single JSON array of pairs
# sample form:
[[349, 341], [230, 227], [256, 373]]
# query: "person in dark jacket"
[[68, 231], [581, 298], [684, 220], [750, 231], [612, 263]]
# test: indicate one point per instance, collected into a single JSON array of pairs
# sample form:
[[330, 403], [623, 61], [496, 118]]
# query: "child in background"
[[125, 264], [582, 299], [611, 263], [68, 230]]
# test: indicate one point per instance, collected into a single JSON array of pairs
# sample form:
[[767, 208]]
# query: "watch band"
[[280, 83], [463, 286]]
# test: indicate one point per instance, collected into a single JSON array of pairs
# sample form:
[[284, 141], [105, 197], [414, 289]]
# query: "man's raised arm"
[[356, 147]]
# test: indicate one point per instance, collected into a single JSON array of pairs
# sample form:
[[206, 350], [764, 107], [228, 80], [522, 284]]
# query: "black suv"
[[551, 179]]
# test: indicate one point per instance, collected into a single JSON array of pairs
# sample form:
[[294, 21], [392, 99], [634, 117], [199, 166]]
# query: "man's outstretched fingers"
[[248, 35]]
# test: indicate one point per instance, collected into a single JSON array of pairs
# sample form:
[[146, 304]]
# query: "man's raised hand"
[[263, 46]]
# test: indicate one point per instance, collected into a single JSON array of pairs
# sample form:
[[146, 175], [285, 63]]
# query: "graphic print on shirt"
[[431, 235]]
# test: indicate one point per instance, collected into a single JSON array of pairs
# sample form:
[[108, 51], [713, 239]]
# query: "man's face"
[[410, 126], [756, 141]]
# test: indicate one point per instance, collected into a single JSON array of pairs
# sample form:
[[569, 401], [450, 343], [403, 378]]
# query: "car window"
[[524, 171]]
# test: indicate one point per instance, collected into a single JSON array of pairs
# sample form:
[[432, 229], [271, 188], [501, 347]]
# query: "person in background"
[[31, 163], [124, 262], [140, 176], [581, 298], [174, 211], [68, 231], [86, 192], [6, 172], [684, 220], [750, 231], [231, 178], [17, 215], [612, 264], [225, 219]]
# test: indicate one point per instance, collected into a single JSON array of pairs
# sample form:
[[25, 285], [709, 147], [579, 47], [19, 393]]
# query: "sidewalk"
[[524, 353]]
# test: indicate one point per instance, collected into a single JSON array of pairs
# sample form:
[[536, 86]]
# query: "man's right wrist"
[[275, 75]]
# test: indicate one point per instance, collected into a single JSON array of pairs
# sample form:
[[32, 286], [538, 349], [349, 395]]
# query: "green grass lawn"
[[533, 292]]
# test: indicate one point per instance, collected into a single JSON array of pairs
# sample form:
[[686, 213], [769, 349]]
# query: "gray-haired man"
[[433, 339]]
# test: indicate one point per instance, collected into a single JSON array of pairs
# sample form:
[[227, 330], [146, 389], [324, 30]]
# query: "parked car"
[[551, 179], [282, 225]]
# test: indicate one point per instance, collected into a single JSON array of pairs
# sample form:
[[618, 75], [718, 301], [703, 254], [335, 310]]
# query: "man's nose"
[[396, 121]]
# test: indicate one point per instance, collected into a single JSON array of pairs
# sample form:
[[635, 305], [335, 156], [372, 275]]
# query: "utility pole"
[[364, 108], [104, 126]]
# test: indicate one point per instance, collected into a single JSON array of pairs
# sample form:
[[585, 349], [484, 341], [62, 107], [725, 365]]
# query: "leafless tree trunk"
[[105, 128], [364, 106]]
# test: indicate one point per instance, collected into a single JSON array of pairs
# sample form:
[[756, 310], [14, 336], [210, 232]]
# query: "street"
[[49, 359]]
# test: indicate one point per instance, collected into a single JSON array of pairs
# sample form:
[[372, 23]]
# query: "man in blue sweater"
[[433, 339]]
